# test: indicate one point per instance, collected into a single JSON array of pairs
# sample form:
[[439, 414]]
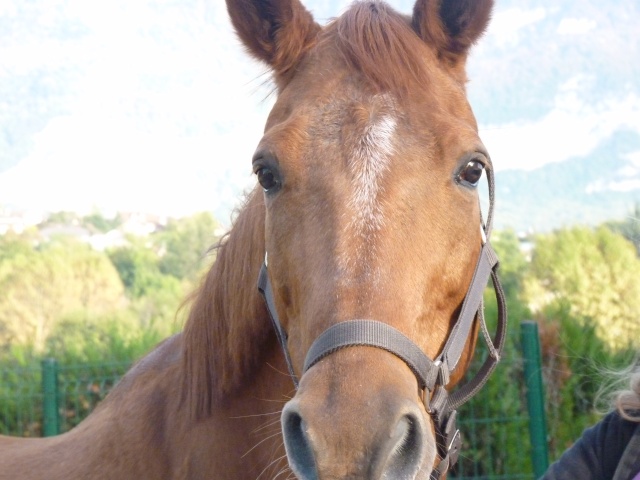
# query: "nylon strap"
[[453, 348], [461, 395], [374, 334], [264, 286]]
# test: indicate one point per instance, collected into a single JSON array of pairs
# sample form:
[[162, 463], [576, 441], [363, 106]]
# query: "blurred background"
[[126, 133]]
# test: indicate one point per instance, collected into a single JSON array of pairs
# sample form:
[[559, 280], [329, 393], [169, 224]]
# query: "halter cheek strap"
[[432, 375], [264, 286]]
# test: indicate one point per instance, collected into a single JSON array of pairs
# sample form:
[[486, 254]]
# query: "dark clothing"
[[610, 450]]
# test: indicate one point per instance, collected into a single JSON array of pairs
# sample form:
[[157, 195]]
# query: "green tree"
[[184, 245], [139, 269], [513, 263], [100, 223], [629, 228], [38, 286], [592, 274]]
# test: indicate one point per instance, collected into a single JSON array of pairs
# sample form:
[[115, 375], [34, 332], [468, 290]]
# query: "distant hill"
[[543, 62], [587, 190]]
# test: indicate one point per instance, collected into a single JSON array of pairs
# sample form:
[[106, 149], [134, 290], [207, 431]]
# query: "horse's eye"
[[267, 179], [471, 174]]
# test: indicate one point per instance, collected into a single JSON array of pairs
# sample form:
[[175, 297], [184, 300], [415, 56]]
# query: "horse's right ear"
[[277, 32]]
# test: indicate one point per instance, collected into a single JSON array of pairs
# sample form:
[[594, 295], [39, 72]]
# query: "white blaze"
[[369, 162]]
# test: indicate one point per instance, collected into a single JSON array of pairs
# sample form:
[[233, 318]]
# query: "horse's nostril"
[[405, 449], [297, 444]]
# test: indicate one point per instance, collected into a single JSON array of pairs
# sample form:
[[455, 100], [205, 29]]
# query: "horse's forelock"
[[380, 43], [227, 321]]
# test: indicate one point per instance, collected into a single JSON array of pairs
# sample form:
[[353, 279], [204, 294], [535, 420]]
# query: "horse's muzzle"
[[379, 434], [399, 457]]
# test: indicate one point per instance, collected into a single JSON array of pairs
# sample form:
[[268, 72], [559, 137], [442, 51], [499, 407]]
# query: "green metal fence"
[[496, 423], [53, 398], [503, 427]]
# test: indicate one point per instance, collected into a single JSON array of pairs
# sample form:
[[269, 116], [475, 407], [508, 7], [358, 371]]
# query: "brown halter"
[[432, 375]]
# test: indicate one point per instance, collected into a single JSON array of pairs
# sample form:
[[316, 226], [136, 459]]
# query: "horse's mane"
[[381, 44], [227, 321]]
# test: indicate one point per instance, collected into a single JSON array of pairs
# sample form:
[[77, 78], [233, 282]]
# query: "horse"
[[366, 232]]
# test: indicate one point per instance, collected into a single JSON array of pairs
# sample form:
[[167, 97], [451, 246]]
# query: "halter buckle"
[[449, 441]]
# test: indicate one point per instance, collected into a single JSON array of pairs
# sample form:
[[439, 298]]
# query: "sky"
[[163, 110]]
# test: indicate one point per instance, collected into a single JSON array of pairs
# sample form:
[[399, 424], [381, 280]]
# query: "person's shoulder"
[[596, 454], [611, 437], [615, 426], [629, 464]]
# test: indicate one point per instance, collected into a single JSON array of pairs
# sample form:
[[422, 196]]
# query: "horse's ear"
[[452, 26], [274, 31]]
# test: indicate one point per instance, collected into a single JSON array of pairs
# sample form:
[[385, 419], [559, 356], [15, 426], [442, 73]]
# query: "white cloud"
[[576, 26], [571, 129], [506, 25], [161, 125]]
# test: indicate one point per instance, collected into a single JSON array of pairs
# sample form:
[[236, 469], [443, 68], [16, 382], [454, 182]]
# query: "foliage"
[[574, 277], [84, 337], [629, 228], [57, 292], [40, 284], [513, 264], [584, 287], [492, 448], [61, 299], [592, 274], [184, 245], [575, 358], [576, 362], [139, 268], [101, 223]]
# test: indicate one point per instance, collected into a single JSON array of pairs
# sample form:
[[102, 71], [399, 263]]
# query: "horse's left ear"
[[451, 26], [276, 32]]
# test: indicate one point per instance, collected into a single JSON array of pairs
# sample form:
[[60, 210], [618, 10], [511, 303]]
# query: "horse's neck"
[[245, 424], [243, 429]]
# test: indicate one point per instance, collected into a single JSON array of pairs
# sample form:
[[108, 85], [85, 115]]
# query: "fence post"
[[50, 418], [535, 396]]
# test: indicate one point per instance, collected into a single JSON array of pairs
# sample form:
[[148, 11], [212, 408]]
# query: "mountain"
[[152, 105], [557, 96], [588, 190]]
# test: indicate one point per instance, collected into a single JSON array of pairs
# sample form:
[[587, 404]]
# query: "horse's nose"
[[392, 450]]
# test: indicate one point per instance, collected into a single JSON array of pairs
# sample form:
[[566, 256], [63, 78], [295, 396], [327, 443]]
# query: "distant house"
[[141, 224], [17, 221], [111, 239], [74, 231]]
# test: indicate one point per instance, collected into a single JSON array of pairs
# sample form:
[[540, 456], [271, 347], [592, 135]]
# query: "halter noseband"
[[432, 375]]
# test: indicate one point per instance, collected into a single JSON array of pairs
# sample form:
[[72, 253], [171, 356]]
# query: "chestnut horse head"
[[369, 165], [369, 216]]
